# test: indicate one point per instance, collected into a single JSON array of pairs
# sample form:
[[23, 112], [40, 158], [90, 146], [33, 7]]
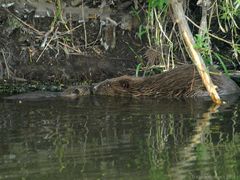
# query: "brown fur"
[[71, 92], [76, 91], [180, 82]]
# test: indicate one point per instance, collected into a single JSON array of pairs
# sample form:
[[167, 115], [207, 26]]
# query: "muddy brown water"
[[119, 138]]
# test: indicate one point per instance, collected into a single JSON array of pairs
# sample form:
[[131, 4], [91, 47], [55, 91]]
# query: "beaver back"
[[183, 81]]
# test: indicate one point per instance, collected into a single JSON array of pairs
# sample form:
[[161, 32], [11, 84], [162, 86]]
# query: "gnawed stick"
[[179, 16]]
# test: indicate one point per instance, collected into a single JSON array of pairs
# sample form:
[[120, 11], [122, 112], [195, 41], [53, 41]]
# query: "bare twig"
[[24, 23], [203, 30], [205, 4], [84, 27], [160, 27], [43, 44], [52, 37], [69, 47], [210, 34], [73, 29], [6, 64]]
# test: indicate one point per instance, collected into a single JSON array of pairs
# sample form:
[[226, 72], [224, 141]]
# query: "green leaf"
[[222, 63], [138, 69]]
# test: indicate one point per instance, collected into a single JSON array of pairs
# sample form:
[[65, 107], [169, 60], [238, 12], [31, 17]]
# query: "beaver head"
[[76, 91], [120, 86], [183, 81]]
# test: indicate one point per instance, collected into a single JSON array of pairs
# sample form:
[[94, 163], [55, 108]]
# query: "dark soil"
[[65, 58]]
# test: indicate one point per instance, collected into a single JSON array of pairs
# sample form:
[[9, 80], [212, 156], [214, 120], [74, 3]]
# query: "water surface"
[[119, 138]]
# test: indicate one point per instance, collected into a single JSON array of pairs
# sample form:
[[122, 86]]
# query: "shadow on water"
[[119, 138]]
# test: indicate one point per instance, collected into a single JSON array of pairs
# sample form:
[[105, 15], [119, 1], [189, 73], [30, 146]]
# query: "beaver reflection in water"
[[183, 81]]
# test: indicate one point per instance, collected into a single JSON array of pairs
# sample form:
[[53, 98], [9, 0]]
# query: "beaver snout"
[[100, 87], [77, 91]]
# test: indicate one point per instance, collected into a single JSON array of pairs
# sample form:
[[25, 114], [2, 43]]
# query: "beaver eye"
[[76, 91], [124, 84], [107, 84]]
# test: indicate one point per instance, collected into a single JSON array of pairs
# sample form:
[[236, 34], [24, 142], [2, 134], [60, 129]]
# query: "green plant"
[[156, 31], [137, 56], [228, 13], [160, 4], [138, 69], [141, 31], [218, 56], [202, 44], [58, 15]]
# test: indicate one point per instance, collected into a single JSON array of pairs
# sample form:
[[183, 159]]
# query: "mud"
[[72, 92], [95, 48]]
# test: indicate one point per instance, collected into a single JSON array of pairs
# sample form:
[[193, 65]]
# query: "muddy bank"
[[80, 49], [77, 68]]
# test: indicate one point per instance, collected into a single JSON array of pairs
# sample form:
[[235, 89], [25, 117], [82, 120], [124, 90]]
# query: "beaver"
[[183, 81], [76, 91], [72, 92]]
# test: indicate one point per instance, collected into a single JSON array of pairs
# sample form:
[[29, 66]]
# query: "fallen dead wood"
[[179, 17]]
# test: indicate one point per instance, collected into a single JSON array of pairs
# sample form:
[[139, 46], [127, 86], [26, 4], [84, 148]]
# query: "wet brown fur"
[[183, 81], [76, 91]]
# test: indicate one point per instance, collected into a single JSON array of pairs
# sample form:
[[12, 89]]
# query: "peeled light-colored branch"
[[179, 16]]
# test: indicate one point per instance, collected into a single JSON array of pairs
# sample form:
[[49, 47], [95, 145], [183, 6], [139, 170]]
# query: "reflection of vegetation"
[[72, 140], [189, 160], [61, 142], [62, 138], [157, 143], [7, 88]]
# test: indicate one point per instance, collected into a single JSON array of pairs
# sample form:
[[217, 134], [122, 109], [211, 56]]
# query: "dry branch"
[[179, 16]]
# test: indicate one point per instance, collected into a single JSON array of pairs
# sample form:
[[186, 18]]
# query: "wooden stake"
[[179, 16]]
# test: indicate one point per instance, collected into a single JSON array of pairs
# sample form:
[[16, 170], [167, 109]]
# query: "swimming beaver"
[[183, 81], [76, 91], [71, 92]]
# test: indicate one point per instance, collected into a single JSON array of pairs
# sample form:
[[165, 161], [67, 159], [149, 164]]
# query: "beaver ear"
[[124, 84]]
